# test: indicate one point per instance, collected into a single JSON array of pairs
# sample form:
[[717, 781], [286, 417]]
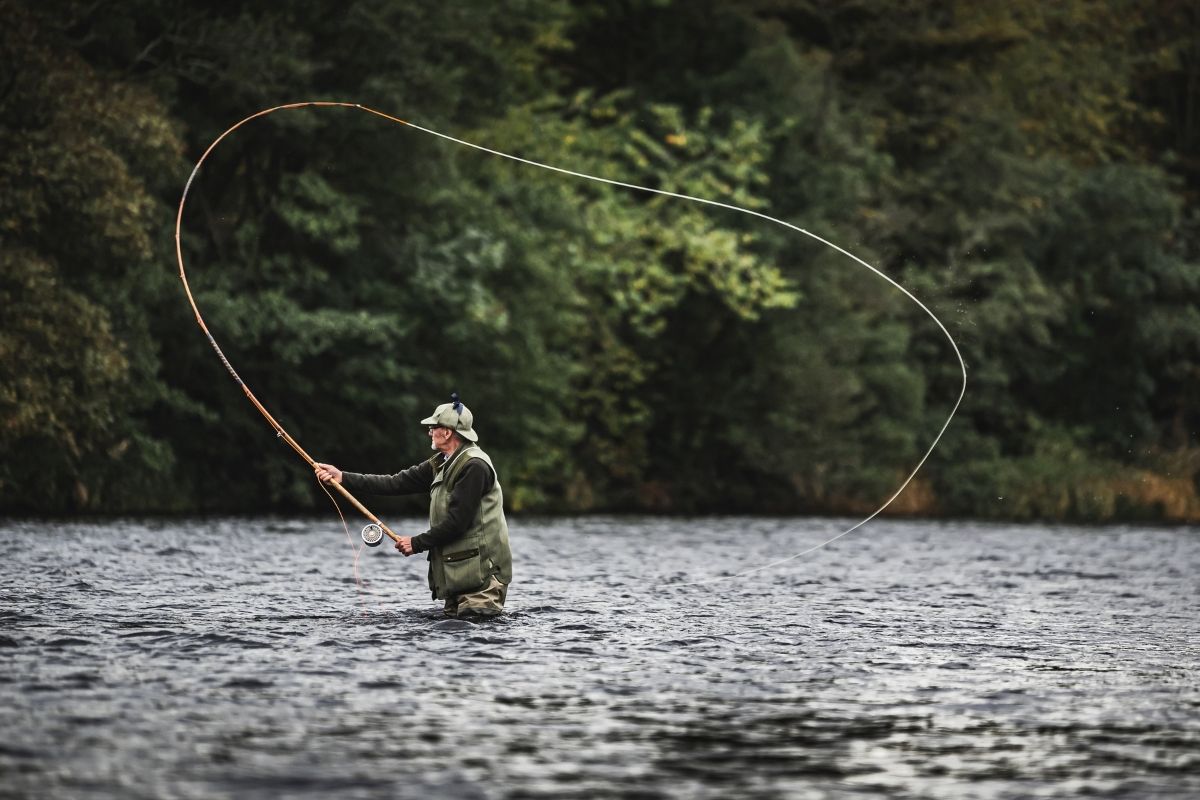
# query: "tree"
[[81, 156]]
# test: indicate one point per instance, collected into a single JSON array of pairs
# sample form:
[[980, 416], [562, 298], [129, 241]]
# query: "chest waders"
[[467, 563]]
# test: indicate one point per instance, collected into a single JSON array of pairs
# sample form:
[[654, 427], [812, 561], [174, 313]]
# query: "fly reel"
[[372, 535]]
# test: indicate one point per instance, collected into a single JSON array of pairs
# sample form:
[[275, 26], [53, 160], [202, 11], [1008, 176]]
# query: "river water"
[[237, 658]]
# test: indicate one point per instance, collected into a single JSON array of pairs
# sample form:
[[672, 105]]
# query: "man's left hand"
[[404, 545]]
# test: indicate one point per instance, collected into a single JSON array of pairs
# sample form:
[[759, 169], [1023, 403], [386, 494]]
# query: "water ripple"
[[234, 657]]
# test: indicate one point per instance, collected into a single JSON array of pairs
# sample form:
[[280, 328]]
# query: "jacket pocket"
[[463, 570]]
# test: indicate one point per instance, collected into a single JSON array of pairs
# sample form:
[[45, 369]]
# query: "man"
[[470, 565]]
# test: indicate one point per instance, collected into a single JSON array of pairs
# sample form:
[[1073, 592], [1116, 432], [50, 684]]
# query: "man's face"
[[439, 437]]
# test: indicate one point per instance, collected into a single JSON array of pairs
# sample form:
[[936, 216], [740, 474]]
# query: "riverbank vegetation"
[[1028, 170]]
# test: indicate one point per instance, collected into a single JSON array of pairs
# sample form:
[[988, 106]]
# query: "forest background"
[[1028, 169]]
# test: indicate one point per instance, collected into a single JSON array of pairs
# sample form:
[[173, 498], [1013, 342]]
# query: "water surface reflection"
[[236, 658]]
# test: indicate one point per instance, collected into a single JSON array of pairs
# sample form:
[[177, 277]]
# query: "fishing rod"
[[373, 533]]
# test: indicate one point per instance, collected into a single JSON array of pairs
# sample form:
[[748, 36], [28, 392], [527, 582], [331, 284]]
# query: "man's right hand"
[[327, 473]]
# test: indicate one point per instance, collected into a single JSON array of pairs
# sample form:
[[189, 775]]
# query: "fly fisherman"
[[470, 565]]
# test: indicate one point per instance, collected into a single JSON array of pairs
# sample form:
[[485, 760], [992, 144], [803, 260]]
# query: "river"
[[237, 658]]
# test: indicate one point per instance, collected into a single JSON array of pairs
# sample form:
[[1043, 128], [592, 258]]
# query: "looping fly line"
[[584, 176]]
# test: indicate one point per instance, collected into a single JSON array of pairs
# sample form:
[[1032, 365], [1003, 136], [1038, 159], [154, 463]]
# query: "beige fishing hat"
[[455, 416]]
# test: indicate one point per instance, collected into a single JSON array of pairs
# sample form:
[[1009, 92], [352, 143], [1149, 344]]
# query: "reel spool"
[[372, 535]]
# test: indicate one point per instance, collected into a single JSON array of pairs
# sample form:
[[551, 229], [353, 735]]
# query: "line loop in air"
[[583, 176]]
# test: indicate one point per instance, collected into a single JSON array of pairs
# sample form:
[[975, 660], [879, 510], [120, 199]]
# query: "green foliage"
[[1026, 169], [81, 157], [63, 374]]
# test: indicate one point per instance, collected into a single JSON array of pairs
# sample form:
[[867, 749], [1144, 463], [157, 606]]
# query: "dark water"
[[235, 658]]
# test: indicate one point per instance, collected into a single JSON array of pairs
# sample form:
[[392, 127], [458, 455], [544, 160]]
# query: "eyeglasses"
[[433, 428]]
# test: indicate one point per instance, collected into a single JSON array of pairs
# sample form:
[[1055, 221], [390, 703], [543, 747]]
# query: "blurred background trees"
[[1029, 170]]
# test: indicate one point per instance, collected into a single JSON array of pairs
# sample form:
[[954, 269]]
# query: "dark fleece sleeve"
[[475, 480], [417, 478]]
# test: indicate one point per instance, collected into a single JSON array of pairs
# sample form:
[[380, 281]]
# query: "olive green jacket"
[[469, 562]]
